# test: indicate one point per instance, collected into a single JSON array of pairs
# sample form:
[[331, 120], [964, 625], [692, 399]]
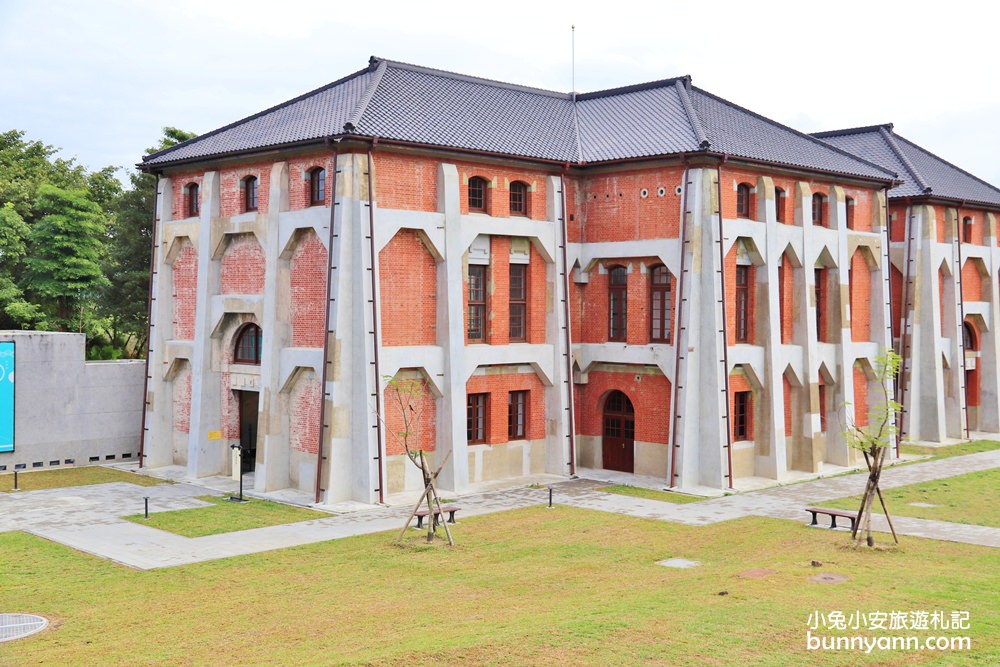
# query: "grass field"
[[83, 476], [948, 451], [651, 494], [225, 516], [973, 498], [535, 586]]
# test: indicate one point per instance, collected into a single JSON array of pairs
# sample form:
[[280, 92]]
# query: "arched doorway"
[[618, 441], [970, 343]]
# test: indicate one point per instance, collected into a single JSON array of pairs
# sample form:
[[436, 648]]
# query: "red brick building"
[[648, 279]]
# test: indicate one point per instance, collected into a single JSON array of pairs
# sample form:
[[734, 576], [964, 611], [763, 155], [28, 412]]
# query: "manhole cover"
[[15, 626], [829, 578]]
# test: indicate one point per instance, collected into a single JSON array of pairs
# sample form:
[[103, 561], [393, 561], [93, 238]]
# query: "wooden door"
[[618, 441]]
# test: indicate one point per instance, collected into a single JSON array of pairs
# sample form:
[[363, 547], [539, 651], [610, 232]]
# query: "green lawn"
[[225, 516], [64, 477], [960, 449], [651, 494], [973, 498], [536, 586]]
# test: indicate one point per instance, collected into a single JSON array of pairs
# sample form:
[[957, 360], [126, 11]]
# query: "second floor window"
[[518, 302], [967, 230], [849, 205], [742, 304], [250, 193], [779, 205], [477, 194], [660, 305], [617, 303], [477, 303], [821, 305], [317, 187], [743, 200], [819, 210], [193, 200], [518, 198]]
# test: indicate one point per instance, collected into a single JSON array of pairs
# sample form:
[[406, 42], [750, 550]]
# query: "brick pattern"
[[182, 399], [242, 267], [307, 280], [590, 303], [231, 187], [649, 392], [299, 192], [423, 430], [786, 299], [613, 208], [230, 405], [305, 400], [185, 290], [752, 313], [405, 182], [408, 291], [861, 294], [942, 278], [179, 186], [896, 299], [864, 204], [498, 386], [786, 392], [972, 281], [898, 225], [860, 397], [498, 192]]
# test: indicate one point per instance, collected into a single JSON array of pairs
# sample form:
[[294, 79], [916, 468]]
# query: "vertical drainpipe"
[[888, 270], [904, 325], [326, 322], [725, 328], [677, 331], [149, 326], [569, 338], [375, 336], [961, 314]]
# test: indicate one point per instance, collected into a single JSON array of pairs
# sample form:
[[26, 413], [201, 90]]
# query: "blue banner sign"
[[6, 396]]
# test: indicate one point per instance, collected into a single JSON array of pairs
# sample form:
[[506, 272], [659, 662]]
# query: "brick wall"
[[898, 227], [405, 182], [786, 299], [972, 281], [423, 428], [739, 382], [408, 291], [942, 277], [591, 302], [860, 396], [185, 290], [231, 190], [308, 291], [182, 399], [613, 208], [305, 400], [181, 199], [786, 392], [299, 191], [731, 299], [498, 386], [861, 294], [647, 389], [498, 192], [242, 267], [896, 299]]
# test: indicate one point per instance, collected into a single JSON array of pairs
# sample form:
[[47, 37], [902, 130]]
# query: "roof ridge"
[[468, 78], [634, 88], [953, 166], [798, 133], [351, 124], [851, 130], [251, 117], [889, 137], [699, 133]]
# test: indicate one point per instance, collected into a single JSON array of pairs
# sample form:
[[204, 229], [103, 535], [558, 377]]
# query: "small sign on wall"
[[215, 435], [7, 396]]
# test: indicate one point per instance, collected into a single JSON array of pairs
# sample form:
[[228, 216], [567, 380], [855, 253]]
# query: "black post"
[[146, 498], [15, 480], [550, 497], [241, 474]]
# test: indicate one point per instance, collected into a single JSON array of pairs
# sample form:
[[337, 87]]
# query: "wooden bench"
[[833, 514], [449, 509]]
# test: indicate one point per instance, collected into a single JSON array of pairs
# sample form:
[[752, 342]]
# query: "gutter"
[[149, 326], [326, 322]]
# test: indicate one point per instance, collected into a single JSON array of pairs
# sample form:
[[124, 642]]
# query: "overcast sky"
[[100, 78]]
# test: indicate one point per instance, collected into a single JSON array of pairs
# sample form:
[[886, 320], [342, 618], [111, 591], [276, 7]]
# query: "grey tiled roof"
[[922, 172], [397, 101]]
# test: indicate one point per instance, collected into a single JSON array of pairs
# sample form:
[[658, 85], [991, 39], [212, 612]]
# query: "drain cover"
[[15, 626]]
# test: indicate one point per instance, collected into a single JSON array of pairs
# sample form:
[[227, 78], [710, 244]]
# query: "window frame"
[[820, 288], [475, 329], [660, 305], [317, 184], [967, 228], [517, 415], [248, 352], [477, 415], [819, 210], [822, 406], [779, 204], [519, 195], [192, 191], [849, 211], [742, 304], [518, 303], [478, 185], [250, 194], [742, 416], [618, 296], [743, 200]]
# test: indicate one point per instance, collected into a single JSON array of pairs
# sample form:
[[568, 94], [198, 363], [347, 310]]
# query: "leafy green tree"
[[64, 262]]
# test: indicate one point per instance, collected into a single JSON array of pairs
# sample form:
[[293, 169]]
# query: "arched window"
[[849, 205], [743, 200], [617, 303], [967, 230], [819, 210], [250, 193], [477, 194], [660, 303], [317, 186], [968, 337], [518, 198], [248, 345], [779, 204], [193, 200]]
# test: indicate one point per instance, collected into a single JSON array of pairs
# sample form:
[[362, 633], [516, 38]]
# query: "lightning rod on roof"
[[572, 57]]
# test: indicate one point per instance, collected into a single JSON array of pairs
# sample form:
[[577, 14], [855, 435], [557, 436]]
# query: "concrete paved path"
[[87, 518]]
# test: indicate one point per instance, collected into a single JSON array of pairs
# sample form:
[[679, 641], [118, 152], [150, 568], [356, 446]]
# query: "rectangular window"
[[517, 415], [618, 303], [477, 302], [821, 305], [518, 302], [743, 415], [660, 305], [779, 204], [822, 408], [475, 417], [742, 304]]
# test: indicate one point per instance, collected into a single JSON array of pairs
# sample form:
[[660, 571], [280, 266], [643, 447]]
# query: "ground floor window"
[[743, 415], [475, 420], [517, 415]]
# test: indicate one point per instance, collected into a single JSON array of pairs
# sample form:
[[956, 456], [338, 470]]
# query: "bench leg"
[[833, 522], [420, 521], [813, 519], [451, 516]]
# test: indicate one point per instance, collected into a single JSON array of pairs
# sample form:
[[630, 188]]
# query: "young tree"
[[874, 439]]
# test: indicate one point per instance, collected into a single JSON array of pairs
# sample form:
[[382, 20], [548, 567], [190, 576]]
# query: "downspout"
[[725, 328], [677, 330], [567, 328], [326, 322], [888, 279], [375, 330], [905, 324], [149, 326], [961, 312]]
